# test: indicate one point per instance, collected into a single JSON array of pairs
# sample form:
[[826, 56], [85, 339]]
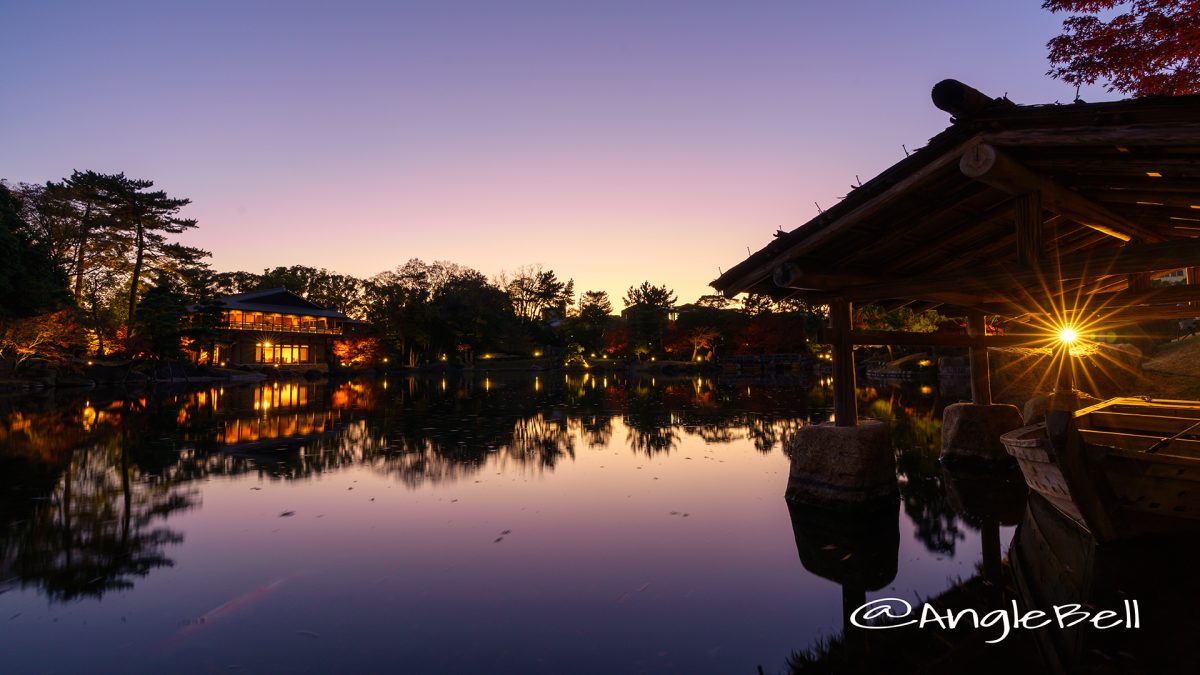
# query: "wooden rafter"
[[986, 163]]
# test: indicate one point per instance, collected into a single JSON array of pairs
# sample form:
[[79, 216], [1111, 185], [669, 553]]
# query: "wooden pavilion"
[[1050, 214]]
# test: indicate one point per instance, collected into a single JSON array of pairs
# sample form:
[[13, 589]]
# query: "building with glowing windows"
[[273, 327]]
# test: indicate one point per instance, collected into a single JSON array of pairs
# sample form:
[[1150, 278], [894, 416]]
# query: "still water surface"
[[534, 524]]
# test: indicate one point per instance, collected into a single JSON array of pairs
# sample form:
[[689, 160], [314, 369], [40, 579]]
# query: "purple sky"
[[613, 142]]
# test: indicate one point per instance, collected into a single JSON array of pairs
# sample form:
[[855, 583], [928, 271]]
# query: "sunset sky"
[[613, 142]]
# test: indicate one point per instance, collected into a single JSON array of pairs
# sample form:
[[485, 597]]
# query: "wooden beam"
[[1028, 212], [985, 163], [995, 279], [907, 339], [845, 396], [801, 275], [1122, 136], [796, 277]]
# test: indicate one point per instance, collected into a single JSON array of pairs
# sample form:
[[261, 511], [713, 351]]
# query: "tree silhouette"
[[649, 295]]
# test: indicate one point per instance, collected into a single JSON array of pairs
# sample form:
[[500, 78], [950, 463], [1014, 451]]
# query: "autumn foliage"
[[358, 351], [54, 336], [1149, 47]]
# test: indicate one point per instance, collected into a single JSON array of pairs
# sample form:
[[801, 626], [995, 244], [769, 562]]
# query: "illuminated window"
[[265, 352]]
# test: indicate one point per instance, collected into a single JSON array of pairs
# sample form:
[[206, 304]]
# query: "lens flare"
[[1068, 335]]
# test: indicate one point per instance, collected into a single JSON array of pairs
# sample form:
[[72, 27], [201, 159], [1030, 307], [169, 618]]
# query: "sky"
[[612, 142]]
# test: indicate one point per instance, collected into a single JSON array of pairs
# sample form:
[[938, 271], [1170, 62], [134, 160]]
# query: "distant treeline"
[[87, 266]]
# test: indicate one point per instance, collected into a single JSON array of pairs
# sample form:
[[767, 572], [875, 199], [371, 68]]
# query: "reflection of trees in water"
[[768, 433], [543, 440], [651, 426], [596, 428], [650, 439], [101, 526], [916, 434], [87, 485]]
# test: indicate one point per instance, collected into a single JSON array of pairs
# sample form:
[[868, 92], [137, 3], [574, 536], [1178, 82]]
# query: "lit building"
[[272, 327]]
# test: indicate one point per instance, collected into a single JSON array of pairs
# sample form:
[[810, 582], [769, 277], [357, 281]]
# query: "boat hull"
[[1113, 481]]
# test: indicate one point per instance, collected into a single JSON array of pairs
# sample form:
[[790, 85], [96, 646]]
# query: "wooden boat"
[[1125, 468]]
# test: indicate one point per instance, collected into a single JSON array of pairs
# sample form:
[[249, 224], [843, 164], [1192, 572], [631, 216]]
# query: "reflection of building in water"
[[277, 411], [281, 411], [287, 395], [276, 427]]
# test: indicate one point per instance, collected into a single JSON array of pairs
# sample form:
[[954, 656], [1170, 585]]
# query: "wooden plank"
[[1137, 423], [1138, 442]]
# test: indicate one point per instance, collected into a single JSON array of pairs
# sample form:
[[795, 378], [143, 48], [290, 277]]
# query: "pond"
[[533, 523]]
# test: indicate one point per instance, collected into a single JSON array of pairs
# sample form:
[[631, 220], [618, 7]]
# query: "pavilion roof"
[[1008, 202], [277, 301]]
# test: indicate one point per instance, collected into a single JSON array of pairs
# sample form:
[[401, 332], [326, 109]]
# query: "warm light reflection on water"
[[499, 523]]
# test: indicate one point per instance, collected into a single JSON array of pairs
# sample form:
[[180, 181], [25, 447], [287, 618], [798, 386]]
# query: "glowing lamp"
[[1068, 335]]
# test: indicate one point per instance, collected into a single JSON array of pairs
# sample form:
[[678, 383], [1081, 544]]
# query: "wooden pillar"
[[1028, 212], [981, 376], [845, 405]]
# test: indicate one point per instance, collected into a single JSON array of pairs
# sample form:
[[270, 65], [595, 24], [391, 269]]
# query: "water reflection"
[[78, 523], [89, 488], [1051, 563], [90, 484]]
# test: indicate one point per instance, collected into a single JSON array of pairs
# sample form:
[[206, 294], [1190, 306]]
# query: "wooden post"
[[981, 376], [845, 406], [1028, 212]]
